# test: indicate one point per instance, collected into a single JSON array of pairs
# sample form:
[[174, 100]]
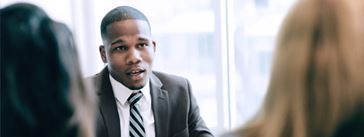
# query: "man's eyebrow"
[[117, 41], [143, 39]]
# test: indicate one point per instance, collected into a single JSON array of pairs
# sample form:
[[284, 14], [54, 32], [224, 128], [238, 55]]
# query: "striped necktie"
[[136, 128]]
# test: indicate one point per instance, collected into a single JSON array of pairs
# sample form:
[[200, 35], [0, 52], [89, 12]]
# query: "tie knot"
[[135, 97]]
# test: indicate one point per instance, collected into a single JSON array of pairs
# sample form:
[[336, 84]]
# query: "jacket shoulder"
[[169, 80]]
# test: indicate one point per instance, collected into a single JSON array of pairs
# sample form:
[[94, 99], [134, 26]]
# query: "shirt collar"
[[122, 93]]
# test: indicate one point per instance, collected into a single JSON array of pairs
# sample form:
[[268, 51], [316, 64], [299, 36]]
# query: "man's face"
[[129, 52]]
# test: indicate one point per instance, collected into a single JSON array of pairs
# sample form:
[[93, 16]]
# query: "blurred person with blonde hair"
[[42, 90], [317, 82]]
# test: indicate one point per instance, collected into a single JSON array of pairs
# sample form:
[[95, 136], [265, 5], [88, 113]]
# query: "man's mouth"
[[135, 74]]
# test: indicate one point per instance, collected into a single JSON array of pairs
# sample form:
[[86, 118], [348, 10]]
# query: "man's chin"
[[136, 86]]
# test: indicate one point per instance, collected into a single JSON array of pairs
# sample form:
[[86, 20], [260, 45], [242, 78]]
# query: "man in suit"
[[165, 106]]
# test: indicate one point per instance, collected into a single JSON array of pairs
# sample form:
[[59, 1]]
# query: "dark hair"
[[119, 14], [36, 80]]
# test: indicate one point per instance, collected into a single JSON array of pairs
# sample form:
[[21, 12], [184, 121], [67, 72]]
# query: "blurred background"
[[224, 47]]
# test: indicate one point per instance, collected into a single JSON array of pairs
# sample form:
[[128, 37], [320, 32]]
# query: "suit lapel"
[[160, 106], [108, 106]]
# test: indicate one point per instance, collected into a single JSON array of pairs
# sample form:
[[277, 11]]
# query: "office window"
[[256, 25]]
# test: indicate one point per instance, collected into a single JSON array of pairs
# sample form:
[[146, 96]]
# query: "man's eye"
[[121, 48], [142, 45]]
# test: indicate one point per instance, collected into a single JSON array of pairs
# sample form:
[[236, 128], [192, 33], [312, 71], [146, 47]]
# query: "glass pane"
[[257, 24]]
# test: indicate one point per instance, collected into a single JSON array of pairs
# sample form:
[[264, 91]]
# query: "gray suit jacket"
[[175, 110]]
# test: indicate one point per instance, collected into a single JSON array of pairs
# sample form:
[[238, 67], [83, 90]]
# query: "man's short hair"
[[119, 14]]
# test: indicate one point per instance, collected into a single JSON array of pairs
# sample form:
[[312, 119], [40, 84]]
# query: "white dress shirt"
[[144, 105]]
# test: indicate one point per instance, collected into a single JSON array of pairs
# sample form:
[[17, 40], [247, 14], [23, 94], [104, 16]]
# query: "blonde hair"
[[317, 80]]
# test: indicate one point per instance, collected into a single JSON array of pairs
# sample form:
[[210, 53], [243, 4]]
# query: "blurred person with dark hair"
[[134, 100], [42, 90], [317, 82]]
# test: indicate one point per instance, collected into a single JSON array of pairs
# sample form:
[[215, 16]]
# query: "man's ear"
[[154, 45], [102, 53]]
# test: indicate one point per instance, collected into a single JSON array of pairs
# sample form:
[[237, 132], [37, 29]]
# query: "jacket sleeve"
[[196, 125]]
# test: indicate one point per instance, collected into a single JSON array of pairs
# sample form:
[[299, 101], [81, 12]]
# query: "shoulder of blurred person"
[[42, 92]]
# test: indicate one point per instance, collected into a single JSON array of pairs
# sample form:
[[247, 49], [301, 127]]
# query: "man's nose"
[[133, 57]]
